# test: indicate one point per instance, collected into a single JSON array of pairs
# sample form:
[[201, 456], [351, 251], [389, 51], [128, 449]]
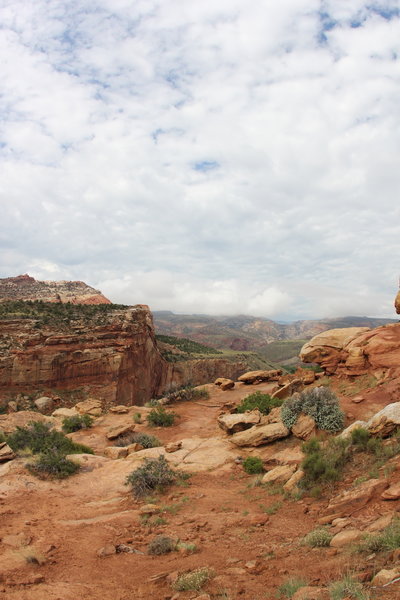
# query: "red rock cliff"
[[118, 360]]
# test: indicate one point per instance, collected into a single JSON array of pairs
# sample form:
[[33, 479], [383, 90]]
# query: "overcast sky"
[[217, 156]]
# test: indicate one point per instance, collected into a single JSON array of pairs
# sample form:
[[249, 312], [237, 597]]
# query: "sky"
[[204, 157]]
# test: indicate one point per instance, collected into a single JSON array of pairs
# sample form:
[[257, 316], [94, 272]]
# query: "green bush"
[[386, 540], [360, 438], [194, 580], [263, 402], [253, 465], [187, 393], [76, 422], [2, 437], [153, 475], [290, 587], [347, 588], [53, 465], [144, 439], [161, 544], [320, 403], [323, 464], [160, 417], [318, 538], [39, 437]]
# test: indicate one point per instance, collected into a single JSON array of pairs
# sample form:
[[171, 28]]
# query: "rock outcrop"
[[356, 351], [117, 361], [397, 303], [24, 287]]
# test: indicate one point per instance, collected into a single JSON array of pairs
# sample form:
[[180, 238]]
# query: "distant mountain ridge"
[[24, 287], [244, 332]]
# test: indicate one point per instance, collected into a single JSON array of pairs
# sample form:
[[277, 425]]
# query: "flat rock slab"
[[280, 474], [259, 435], [392, 493], [232, 423], [118, 430], [349, 501]]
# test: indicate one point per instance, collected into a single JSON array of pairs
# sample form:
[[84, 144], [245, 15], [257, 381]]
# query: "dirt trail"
[[249, 537]]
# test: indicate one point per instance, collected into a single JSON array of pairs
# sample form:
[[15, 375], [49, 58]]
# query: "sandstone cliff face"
[[201, 371], [119, 360], [25, 287], [376, 351]]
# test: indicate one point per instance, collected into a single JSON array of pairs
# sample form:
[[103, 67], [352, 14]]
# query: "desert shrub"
[[137, 417], [160, 417], [193, 580], [320, 403], [187, 393], [144, 439], [253, 465], [386, 540], [290, 587], [347, 588], [153, 475], [188, 547], [161, 544], [39, 437], [53, 465], [76, 422], [263, 402], [323, 464], [318, 538], [360, 438]]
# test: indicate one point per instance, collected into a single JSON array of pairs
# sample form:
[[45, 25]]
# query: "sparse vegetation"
[[39, 437], [253, 465], [187, 393], [323, 464], [2, 437], [320, 403], [76, 422], [137, 417], [193, 580], [290, 587], [347, 588], [178, 349], [53, 465], [161, 544], [160, 417], [263, 402], [144, 439], [318, 538], [154, 474], [386, 540]]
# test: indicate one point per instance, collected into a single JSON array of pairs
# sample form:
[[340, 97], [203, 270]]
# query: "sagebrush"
[[154, 474], [320, 403]]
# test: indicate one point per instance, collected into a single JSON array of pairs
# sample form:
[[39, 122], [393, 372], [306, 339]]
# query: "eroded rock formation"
[[25, 287]]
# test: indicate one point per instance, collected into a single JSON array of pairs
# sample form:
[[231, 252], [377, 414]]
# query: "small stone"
[[349, 536], [44, 404], [173, 447], [107, 550], [385, 576], [64, 412], [91, 406], [6, 453], [392, 493], [149, 509], [358, 399]]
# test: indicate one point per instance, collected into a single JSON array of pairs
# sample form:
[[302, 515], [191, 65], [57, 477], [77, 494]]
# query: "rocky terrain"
[[24, 287]]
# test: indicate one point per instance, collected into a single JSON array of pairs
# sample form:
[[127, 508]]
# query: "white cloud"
[[208, 157]]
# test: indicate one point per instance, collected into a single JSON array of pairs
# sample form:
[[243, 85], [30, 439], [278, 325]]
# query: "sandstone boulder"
[[121, 409], [256, 376], [385, 421], [6, 453], [349, 501], [118, 430], [91, 407], [346, 433], [392, 493], [232, 423], [288, 456], [115, 452], [280, 474], [380, 523], [224, 383], [289, 389], [173, 447], [309, 592], [65, 412], [385, 576], [304, 427], [346, 537], [44, 404], [260, 434], [326, 347], [291, 483]]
